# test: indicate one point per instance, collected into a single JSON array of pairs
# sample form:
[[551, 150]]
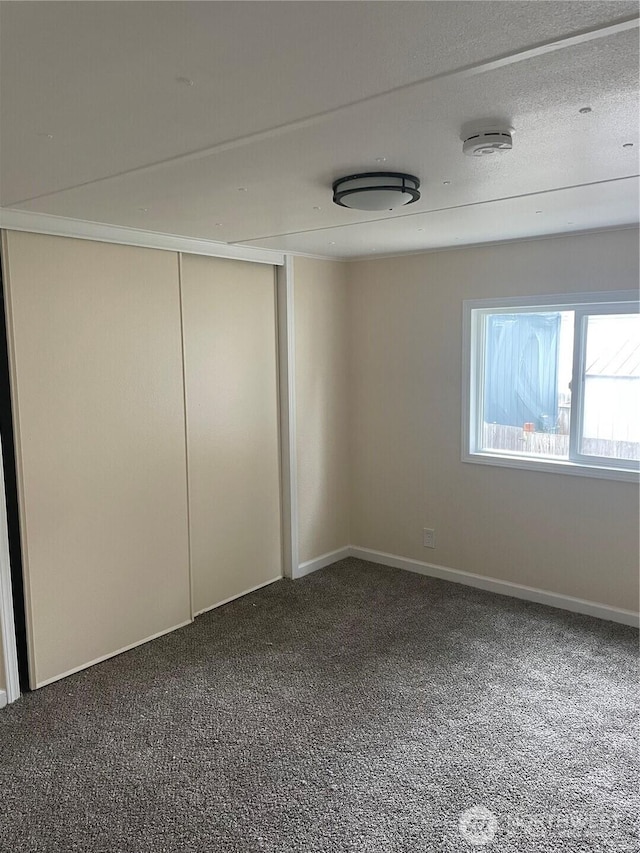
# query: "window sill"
[[555, 466]]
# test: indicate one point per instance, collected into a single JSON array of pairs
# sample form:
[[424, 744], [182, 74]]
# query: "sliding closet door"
[[98, 402], [229, 328]]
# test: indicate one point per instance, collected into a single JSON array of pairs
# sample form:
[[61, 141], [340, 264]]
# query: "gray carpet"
[[359, 709]]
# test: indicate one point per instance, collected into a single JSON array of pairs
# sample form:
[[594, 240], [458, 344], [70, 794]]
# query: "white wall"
[[322, 404], [571, 535]]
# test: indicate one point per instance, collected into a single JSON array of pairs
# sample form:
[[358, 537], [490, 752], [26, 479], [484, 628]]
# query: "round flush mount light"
[[487, 140], [376, 190]]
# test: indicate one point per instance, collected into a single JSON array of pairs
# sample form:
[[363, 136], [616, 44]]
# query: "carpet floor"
[[361, 709]]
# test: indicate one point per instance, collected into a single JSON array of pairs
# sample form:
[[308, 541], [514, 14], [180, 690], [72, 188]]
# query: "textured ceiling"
[[95, 123]]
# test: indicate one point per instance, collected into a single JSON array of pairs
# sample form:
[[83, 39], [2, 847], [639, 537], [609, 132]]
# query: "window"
[[553, 383]]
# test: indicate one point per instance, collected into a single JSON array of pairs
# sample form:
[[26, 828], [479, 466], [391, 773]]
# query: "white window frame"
[[475, 312]]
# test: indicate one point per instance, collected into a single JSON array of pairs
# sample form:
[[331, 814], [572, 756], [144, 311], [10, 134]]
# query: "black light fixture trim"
[[409, 184]]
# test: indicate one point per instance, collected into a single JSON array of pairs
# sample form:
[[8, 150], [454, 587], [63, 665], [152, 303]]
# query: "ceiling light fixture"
[[376, 190]]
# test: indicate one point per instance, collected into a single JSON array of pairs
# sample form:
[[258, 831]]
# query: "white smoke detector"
[[488, 140]]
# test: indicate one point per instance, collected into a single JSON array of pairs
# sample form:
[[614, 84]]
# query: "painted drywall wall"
[[571, 535], [322, 405]]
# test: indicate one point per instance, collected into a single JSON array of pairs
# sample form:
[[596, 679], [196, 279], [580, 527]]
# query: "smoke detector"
[[488, 140]]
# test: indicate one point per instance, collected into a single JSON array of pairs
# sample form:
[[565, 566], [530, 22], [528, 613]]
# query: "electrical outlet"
[[428, 538]]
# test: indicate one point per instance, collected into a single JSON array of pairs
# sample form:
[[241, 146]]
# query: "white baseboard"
[[233, 597], [3, 698], [321, 562], [515, 590]]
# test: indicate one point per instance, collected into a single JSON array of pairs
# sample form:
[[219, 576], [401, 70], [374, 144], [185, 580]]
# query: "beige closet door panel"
[[98, 399], [229, 327]]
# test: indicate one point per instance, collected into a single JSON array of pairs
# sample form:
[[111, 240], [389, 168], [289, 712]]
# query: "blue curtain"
[[521, 374]]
